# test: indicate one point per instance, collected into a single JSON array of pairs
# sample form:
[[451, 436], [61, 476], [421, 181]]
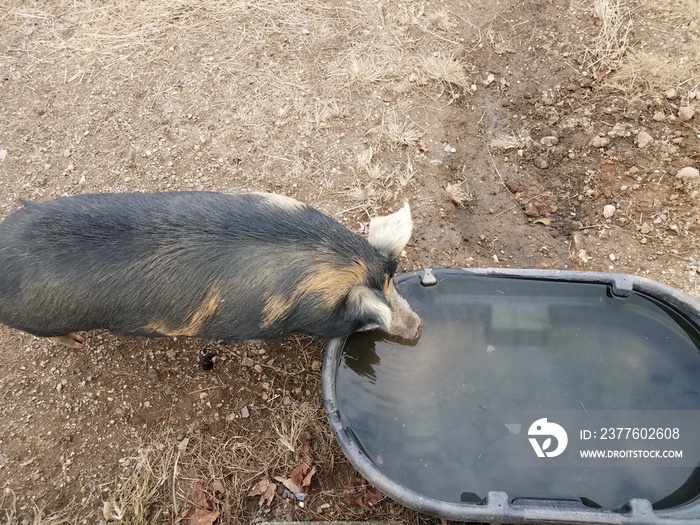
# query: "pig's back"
[[179, 263]]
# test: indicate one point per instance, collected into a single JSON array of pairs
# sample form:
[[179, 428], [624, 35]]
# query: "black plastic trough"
[[458, 425]]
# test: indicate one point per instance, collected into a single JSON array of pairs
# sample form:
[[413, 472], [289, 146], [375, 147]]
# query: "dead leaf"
[[542, 220], [204, 516], [307, 479], [201, 497], [289, 484], [182, 445], [265, 489], [218, 487], [203, 513], [359, 501], [297, 474], [306, 452], [183, 514], [600, 73], [374, 497], [363, 495]]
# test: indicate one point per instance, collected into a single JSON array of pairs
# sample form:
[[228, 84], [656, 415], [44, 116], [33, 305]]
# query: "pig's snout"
[[405, 323], [419, 331]]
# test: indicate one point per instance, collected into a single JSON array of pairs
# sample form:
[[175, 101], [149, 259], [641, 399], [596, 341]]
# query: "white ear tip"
[[390, 233]]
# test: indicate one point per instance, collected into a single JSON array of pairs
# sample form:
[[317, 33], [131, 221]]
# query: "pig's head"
[[383, 307]]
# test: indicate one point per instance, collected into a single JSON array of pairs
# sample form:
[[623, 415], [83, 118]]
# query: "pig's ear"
[[368, 308], [390, 234]]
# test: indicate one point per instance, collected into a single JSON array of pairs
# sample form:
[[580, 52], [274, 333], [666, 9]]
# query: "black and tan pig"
[[200, 264]]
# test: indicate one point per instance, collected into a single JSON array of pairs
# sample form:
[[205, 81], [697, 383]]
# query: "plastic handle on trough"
[[622, 286], [427, 278]]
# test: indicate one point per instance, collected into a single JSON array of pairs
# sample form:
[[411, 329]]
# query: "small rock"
[[450, 149], [659, 116], [549, 140], [541, 163], [608, 211], [644, 139], [547, 100], [245, 413], [258, 369], [3, 154], [247, 361], [66, 153], [315, 366], [646, 228], [686, 113], [599, 142], [688, 173], [671, 94], [286, 401]]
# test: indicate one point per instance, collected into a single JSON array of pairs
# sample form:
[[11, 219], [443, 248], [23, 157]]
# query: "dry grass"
[[160, 483], [458, 193], [664, 53], [11, 515], [508, 141], [611, 42], [400, 130], [648, 72], [452, 74]]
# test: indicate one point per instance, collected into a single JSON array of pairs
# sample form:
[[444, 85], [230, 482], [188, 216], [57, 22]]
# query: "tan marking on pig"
[[196, 320], [281, 201], [327, 283]]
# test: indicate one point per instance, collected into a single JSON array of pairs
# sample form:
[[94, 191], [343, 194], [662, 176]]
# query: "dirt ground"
[[541, 134]]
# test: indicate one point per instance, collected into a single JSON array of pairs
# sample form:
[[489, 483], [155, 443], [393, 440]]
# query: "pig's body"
[[200, 264]]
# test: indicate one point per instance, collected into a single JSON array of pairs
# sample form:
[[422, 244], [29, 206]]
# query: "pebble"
[[659, 116], [688, 173], [258, 369], [644, 139], [646, 228], [286, 401], [608, 211], [541, 163], [315, 366], [247, 361], [686, 113], [549, 140], [600, 142], [450, 149], [671, 94], [3, 154], [245, 413]]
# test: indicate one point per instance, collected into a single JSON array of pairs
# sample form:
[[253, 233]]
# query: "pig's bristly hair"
[[391, 233]]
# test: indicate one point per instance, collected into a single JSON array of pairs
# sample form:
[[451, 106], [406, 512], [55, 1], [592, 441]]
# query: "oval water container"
[[531, 397]]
